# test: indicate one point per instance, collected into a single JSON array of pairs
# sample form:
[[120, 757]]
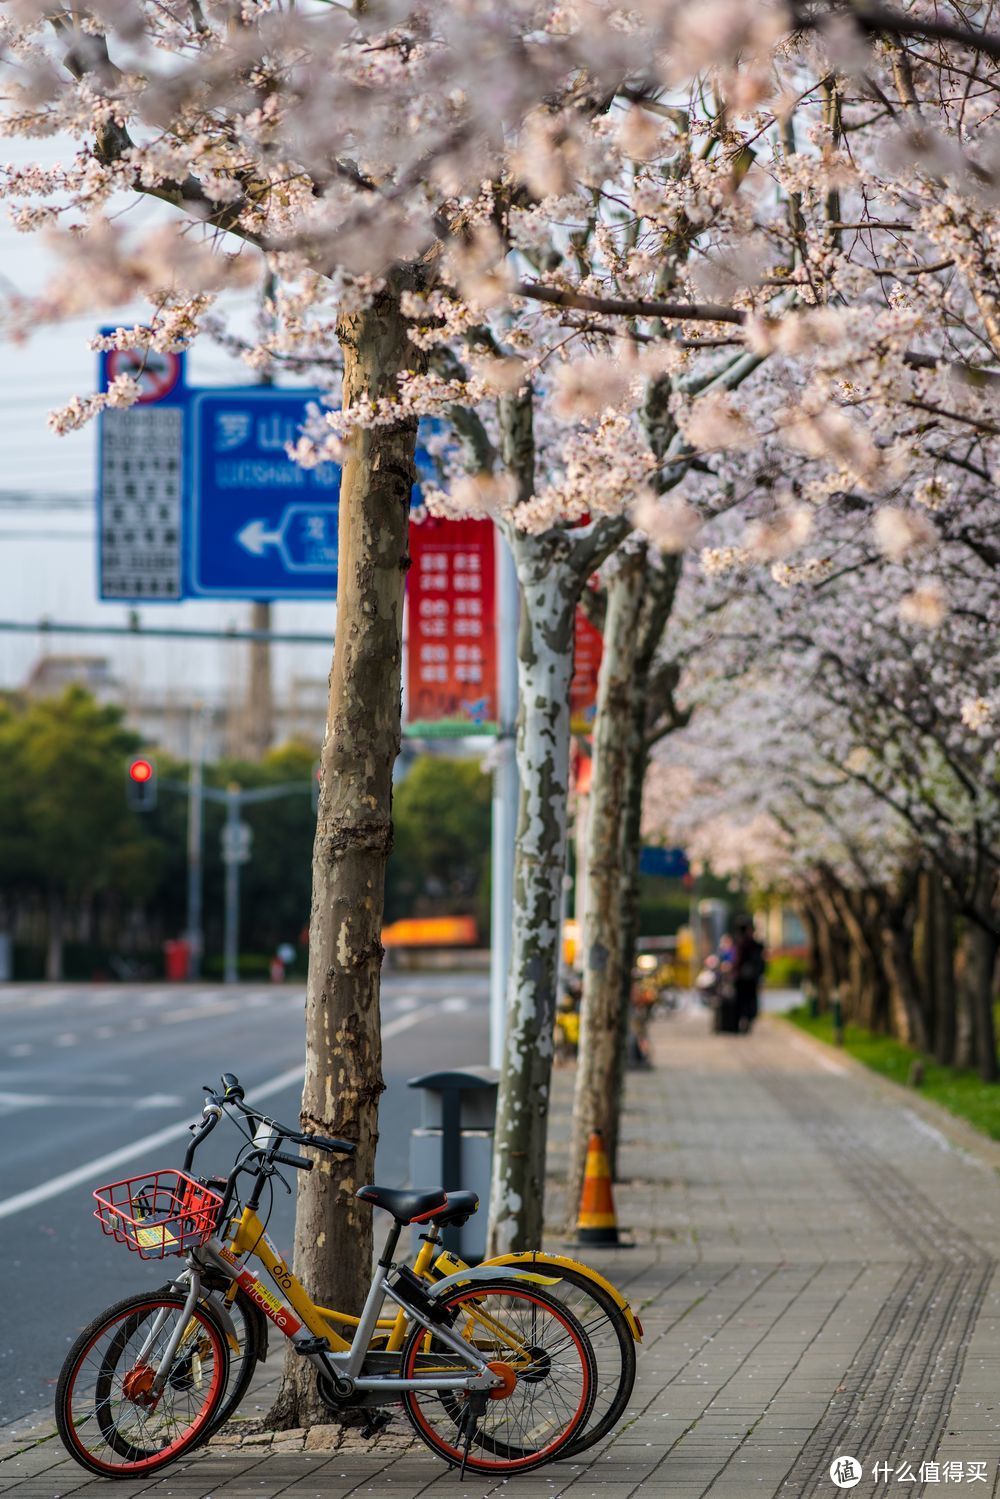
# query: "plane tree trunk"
[[343, 1080], [595, 1097]]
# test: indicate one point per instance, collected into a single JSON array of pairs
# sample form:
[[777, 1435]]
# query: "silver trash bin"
[[453, 1145]]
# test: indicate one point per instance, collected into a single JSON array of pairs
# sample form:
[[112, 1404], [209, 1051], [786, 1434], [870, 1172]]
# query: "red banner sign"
[[451, 624], [587, 650]]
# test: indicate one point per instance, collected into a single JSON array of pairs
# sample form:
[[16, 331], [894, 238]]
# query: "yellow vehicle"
[[493, 1366]]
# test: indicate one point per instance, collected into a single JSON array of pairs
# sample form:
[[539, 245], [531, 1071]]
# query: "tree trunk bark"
[[907, 1018], [629, 848], [862, 1002], [333, 1231], [811, 920], [982, 945], [942, 977], [597, 1061], [833, 939], [549, 593], [965, 1015]]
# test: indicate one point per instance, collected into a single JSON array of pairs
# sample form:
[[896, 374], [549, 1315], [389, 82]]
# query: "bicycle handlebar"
[[298, 1161], [232, 1096], [212, 1114]]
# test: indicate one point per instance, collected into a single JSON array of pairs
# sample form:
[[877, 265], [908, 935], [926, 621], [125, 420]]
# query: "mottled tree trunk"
[[343, 1081], [552, 569], [629, 849], [549, 592], [594, 1097]]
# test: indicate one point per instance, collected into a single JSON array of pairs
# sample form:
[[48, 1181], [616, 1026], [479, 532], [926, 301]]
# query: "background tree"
[[440, 858], [73, 837]]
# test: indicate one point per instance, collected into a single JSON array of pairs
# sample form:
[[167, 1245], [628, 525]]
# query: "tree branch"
[[695, 312]]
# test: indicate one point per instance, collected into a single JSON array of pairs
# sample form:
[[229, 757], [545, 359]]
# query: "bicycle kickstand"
[[474, 1408]]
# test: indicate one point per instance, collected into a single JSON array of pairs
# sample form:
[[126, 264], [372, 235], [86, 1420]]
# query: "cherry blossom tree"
[[525, 219]]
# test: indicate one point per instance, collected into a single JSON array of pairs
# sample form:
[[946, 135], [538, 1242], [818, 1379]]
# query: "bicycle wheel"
[[610, 1337], [550, 1377], [106, 1413]]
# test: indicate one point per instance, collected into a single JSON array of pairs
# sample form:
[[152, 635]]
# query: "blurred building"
[[165, 717]]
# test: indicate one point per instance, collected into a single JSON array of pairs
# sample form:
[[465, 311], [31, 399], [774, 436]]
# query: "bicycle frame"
[[310, 1326]]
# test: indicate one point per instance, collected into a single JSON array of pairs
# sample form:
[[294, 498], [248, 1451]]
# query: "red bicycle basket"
[[161, 1213]]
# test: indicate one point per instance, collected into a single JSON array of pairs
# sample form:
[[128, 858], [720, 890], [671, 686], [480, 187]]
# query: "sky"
[[48, 543]]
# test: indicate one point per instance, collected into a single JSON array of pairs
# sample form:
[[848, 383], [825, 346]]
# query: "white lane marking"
[[405, 1002], [105, 1163], [821, 1061], [154, 999], [63, 1100], [456, 1005], [66, 1039], [22, 1049], [199, 1012], [46, 1000]]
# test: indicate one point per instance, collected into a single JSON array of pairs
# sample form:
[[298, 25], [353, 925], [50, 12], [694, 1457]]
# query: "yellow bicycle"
[[494, 1373]]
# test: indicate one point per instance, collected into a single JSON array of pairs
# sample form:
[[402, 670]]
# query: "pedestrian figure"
[[748, 970], [726, 1013]]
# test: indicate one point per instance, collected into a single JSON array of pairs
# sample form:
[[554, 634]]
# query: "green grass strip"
[[960, 1091]]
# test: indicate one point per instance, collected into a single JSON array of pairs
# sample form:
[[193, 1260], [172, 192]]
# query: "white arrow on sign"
[[256, 537]]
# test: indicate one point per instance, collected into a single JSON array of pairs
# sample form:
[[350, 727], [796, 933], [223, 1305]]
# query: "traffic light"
[[140, 783]]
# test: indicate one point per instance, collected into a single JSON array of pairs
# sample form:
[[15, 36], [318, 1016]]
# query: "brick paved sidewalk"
[[816, 1274]]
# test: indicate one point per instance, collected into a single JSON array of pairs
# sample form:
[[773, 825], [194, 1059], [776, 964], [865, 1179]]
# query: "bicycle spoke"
[[108, 1413], [541, 1345]]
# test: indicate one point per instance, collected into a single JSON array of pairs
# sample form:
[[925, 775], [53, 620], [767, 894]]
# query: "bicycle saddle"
[[421, 1204]]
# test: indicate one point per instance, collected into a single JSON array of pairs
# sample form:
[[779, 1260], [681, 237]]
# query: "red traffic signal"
[[140, 783]]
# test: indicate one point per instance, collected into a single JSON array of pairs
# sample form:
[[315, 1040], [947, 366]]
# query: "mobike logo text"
[[269, 1304]]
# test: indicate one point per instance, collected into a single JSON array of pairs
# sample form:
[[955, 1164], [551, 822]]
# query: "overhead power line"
[[139, 631]]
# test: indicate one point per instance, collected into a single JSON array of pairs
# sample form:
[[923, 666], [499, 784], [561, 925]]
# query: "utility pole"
[[505, 796], [195, 836], [235, 851]]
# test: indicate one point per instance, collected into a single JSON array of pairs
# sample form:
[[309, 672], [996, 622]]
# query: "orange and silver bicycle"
[[495, 1373]]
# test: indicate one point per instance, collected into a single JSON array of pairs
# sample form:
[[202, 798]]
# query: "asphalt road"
[[89, 1071]]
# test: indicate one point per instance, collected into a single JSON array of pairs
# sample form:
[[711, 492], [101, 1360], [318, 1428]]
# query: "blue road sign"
[[668, 863], [261, 526]]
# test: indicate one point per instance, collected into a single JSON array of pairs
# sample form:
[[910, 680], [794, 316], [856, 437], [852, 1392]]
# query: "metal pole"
[[195, 830], [232, 935], [505, 797]]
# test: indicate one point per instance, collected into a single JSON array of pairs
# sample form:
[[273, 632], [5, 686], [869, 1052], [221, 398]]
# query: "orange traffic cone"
[[597, 1222]]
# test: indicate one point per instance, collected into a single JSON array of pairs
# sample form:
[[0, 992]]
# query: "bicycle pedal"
[[376, 1423], [312, 1345]]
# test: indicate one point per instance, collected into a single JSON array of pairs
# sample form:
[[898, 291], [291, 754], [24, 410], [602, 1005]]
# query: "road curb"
[[958, 1132]]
